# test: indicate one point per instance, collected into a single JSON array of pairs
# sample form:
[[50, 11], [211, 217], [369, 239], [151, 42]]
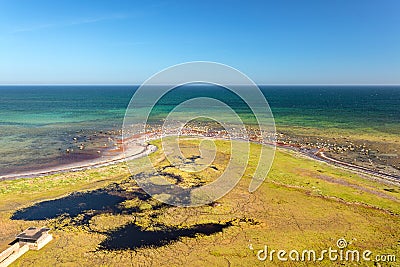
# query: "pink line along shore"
[[138, 151], [134, 152]]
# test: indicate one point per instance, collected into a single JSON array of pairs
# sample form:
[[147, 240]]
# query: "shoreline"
[[358, 169], [362, 171], [84, 165], [141, 151]]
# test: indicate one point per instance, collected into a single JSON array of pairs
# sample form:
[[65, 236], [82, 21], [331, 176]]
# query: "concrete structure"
[[32, 238]]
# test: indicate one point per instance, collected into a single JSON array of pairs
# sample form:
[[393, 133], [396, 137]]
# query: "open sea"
[[39, 123]]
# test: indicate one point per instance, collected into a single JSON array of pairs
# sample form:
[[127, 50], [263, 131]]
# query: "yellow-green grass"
[[303, 204]]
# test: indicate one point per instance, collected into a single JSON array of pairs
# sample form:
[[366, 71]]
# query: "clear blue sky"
[[280, 41]]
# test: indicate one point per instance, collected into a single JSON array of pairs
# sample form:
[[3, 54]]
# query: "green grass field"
[[303, 204]]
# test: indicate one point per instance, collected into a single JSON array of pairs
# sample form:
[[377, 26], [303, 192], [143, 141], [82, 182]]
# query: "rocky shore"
[[99, 148]]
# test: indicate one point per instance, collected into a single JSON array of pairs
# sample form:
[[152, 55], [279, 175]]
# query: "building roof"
[[33, 233]]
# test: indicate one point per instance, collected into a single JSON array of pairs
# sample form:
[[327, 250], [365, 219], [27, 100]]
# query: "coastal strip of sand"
[[132, 152], [135, 149]]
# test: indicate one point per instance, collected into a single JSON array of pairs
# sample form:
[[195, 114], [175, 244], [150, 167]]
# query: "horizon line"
[[258, 84]]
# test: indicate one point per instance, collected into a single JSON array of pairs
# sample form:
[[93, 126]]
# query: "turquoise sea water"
[[38, 123]]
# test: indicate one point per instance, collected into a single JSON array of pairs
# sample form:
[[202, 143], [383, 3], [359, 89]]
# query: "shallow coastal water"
[[44, 126], [38, 125]]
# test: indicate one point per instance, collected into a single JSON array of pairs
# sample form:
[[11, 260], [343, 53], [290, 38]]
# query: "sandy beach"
[[133, 152], [136, 147]]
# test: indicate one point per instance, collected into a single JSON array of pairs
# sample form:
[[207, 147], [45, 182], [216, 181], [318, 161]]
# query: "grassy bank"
[[303, 204]]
